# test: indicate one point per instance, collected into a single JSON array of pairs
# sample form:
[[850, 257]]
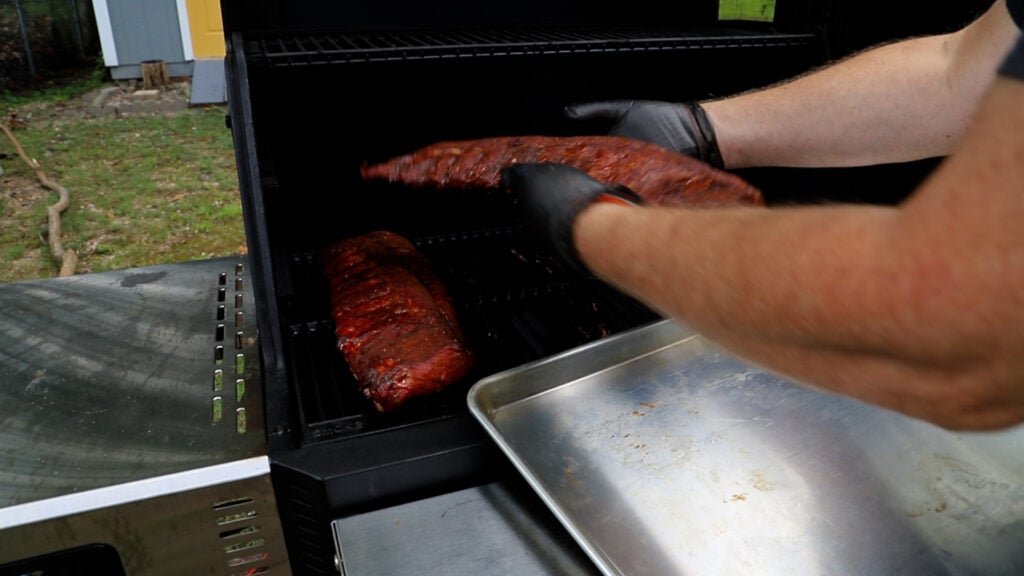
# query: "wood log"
[[66, 259], [154, 75]]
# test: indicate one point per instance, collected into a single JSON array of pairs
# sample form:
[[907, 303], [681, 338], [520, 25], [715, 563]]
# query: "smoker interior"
[[320, 105], [367, 97]]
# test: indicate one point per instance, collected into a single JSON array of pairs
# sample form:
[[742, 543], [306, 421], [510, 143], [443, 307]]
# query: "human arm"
[[897, 102], [917, 308]]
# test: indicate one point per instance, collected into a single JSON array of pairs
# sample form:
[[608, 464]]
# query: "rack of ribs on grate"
[[394, 320]]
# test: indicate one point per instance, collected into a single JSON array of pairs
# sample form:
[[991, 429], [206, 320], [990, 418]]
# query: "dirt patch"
[[19, 192], [123, 98], [130, 98]]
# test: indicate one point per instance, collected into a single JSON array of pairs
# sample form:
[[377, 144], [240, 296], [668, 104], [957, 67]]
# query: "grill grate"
[[515, 303], [295, 50]]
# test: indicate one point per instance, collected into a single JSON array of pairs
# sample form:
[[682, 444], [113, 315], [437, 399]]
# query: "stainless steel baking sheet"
[[663, 455]]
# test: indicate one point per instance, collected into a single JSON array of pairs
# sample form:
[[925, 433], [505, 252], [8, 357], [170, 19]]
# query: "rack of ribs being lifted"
[[660, 176]]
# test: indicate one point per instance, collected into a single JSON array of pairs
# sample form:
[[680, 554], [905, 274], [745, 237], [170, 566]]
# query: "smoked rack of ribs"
[[660, 176], [394, 319]]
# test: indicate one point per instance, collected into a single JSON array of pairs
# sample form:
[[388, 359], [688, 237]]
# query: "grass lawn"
[[145, 189], [746, 9]]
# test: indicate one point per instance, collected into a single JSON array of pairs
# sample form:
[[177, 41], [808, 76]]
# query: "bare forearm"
[[737, 272], [898, 102], [833, 297], [917, 308]]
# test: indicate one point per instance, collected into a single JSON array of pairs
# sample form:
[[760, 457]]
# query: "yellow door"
[[207, 28]]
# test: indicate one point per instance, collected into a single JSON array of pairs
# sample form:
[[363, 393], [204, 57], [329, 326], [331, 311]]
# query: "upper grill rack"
[[317, 49]]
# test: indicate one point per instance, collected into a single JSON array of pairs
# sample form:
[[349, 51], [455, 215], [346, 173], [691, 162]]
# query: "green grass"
[[746, 10], [144, 190]]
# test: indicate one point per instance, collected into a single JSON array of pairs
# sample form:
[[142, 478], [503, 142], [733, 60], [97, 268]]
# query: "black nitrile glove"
[[551, 196], [681, 127]]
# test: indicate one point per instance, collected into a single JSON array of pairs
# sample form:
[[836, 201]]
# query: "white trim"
[[106, 32], [186, 31], [138, 490]]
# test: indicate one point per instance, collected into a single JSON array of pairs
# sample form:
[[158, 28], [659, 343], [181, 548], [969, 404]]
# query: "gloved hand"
[[681, 127], [551, 196]]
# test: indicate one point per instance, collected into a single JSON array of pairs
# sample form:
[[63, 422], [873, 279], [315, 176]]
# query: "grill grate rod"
[[384, 46]]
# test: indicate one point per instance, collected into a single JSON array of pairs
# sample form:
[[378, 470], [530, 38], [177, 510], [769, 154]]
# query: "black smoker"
[[318, 88]]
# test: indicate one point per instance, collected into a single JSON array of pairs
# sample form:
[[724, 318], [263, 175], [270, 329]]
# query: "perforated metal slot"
[[223, 405], [232, 503], [241, 516], [244, 546], [238, 532], [250, 559], [242, 538]]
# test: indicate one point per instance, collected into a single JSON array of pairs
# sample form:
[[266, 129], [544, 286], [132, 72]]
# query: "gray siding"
[[146, 30]]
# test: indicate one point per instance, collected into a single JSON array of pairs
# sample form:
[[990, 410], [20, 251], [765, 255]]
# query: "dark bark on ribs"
[[658, 175], [394, 319]]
